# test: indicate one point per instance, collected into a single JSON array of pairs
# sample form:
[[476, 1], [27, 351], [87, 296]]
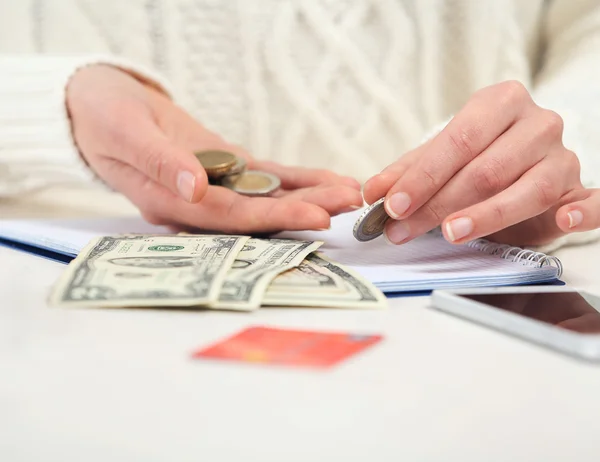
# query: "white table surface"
[[119, 385]]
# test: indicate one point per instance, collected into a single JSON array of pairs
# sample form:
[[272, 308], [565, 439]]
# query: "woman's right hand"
[[141, 144]]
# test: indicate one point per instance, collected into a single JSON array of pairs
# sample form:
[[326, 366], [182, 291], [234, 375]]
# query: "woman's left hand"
[[498, 169]]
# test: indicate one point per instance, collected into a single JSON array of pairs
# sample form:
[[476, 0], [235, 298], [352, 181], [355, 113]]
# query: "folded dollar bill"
[[319, 282], [259, 261], [162, 270], [209, 271]]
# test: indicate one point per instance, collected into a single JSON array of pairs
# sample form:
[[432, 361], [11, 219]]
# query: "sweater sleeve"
[[36, 144], [568, 80]]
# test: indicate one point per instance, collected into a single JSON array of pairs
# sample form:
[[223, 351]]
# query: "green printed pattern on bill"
[[182, 270]]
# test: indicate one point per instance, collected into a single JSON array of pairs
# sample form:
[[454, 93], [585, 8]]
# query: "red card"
[[288, 347]]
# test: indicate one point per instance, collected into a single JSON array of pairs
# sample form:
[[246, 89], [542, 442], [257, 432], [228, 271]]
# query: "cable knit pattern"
[[343, 84]]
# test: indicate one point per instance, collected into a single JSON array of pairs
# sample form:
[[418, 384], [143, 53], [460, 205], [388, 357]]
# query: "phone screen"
[[570, 310]]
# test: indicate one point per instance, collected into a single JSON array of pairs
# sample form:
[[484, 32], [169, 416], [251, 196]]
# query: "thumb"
[[583, 215], [151, 152]]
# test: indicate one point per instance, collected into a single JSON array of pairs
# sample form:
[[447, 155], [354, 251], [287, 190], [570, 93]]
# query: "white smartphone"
[[564, 319]]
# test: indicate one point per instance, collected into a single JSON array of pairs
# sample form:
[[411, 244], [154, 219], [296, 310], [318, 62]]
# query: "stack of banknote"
[[210, 271]]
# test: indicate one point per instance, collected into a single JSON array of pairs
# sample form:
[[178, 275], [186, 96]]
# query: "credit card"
[[287, 347]]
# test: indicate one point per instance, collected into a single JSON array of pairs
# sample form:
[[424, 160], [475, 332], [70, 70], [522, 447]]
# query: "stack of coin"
[[230, 171]]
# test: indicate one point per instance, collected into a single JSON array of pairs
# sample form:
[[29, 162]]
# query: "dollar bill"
[[319, 282], [254, 268], [136, 270]]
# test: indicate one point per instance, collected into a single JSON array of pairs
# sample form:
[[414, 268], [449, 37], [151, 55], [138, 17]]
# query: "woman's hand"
[[498, 169], [141, 144]]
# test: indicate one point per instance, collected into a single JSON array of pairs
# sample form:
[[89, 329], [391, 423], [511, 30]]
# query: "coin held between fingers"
[[371, 223]]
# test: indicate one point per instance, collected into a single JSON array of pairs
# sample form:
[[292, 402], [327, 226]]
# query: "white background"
[[119, 385]]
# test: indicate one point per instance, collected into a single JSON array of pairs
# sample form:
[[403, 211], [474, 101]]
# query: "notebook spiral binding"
[[517, 254], [512, 253]]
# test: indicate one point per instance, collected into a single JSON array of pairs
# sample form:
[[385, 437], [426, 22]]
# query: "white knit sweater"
[[343, 84]]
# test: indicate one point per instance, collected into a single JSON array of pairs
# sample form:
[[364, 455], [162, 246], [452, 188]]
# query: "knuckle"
[[488, 179], [435, 211], [272, 213], [514, 92], [546, 192], [498, 214], [552, 124], [431, 179], [240, 218], [573, 161], [155, 161], [462, 141]]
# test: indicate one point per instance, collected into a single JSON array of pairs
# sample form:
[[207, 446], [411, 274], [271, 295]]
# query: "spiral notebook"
[[430, 262], [424, 264]]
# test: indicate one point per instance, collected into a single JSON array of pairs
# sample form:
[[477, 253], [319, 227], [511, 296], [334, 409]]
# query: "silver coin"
[[252, 183], [371, 223], [234, 173], [239, 167]]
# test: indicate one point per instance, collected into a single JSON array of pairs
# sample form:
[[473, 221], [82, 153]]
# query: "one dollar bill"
[[319, 282], [136, 270], [258, 263]]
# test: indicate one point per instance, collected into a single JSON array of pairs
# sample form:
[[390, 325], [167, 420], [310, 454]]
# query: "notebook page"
[[70, 236], [427, 258]]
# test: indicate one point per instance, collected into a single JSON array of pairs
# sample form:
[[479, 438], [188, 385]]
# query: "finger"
[[378, 186], [300, 177], [488, 114], [220, 209], [554, 308], [335, 199], [588, 323], [516, 151], [583, 215], [227, 211], [145, 147], [534, 193]]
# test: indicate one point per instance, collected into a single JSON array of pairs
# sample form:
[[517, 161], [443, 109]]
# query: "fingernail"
[[355, 207], [186, 183], [397, 205], [324, 229], [575, 218], [459, 228], [397, 232]]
